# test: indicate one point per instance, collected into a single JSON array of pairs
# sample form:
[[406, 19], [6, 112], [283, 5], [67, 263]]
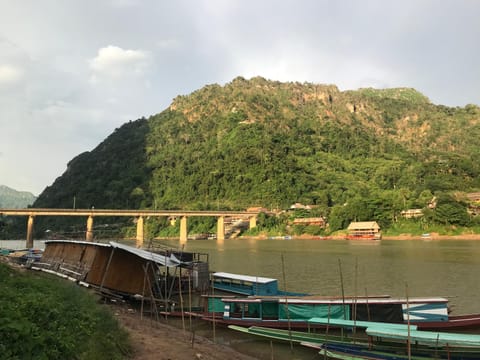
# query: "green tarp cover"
[[308, 311], [270, 309], [215, 305]]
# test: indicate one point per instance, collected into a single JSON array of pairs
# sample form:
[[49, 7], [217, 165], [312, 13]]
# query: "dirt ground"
[[154, 340]]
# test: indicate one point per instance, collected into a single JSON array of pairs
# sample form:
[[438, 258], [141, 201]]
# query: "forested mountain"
[[357, 155], [10, 198]]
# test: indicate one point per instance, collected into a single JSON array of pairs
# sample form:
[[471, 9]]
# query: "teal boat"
[[248, 285], [378, 341], [297, 337], [344, 352], [295, 312], [430, 338]]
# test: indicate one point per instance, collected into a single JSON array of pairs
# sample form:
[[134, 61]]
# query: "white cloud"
[[115, 63], [10, 75], [168, 43], [124, 3]]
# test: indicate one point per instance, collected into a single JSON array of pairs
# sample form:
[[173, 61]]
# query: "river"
[[449, 268]]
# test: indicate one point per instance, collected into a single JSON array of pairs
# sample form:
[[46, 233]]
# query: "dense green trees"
[[357, 155]]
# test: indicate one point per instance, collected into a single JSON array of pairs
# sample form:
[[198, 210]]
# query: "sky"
[[72, 71]]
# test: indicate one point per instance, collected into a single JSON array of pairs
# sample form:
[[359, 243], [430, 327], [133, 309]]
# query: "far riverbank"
[[432, 236], [424, 237]]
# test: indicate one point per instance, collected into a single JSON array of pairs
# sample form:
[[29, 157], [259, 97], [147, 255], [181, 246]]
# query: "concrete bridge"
[[140, 215]]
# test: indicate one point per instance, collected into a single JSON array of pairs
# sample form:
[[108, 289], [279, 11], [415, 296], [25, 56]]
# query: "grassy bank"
[[43, 317]]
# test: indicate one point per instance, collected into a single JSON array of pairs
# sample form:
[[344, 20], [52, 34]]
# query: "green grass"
[[43, 317]]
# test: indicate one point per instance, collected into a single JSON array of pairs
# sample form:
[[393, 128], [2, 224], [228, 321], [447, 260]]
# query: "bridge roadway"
[[139, 214]]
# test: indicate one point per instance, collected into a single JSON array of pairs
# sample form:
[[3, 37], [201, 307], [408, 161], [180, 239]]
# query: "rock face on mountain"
[[367, 152], [13, 199]]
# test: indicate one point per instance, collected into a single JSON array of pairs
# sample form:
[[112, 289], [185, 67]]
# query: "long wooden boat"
[[334, 346], [430, 338], [295, 312], [392, 344], [353, 352]]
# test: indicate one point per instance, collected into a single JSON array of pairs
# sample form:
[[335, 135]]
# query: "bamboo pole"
[[286, 304], [165, 289], [190, 300], [368, 305], [181, 299], [104, 276], [143, 291], [327, 330], [409, 350], [342, 288], [354, 315], [213, 313], [343, 293], [153, 303]]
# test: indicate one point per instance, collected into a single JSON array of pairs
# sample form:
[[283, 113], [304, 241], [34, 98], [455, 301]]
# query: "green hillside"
[[13, 199], [356, 155]]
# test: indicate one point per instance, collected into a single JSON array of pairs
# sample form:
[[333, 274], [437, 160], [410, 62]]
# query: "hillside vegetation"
[[356, 155], [46, 318], [10, 198]]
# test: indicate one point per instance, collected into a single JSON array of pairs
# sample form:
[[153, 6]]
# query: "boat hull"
[[466, 322]]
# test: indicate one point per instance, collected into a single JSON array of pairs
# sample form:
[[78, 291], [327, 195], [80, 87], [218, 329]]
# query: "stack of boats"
[[375, 327]]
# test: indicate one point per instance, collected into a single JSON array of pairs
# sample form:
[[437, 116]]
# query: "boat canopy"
[[169, 261], [252, 279], [80, 242]]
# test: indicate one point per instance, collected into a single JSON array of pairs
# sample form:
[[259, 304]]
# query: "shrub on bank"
[[47, 318]]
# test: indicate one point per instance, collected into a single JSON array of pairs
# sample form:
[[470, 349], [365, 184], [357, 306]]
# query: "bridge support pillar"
[[183, 229], [253, 222], [139, 242], [221, 228], [29, 243], [89, 233]]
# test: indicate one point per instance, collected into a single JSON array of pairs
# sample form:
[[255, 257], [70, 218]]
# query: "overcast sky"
[[73, 71]]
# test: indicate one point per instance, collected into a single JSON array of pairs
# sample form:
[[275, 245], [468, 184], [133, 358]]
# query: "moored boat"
[[385, 341], [298, 312], [248, 285]]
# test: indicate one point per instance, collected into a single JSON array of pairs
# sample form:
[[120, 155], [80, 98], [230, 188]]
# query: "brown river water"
[[449, 268]]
